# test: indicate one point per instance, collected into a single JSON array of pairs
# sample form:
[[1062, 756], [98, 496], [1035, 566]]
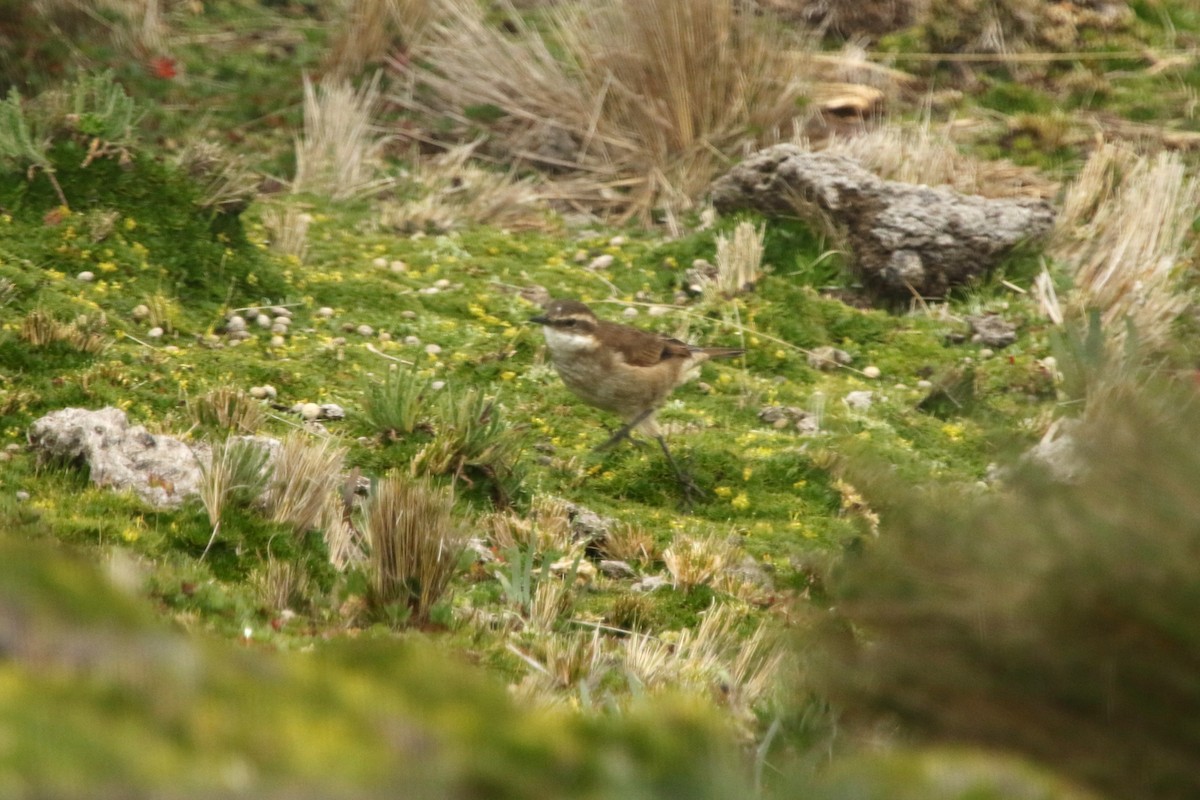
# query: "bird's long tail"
[[721, 352]]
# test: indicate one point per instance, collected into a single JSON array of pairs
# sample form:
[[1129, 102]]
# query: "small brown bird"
[[621, 369]]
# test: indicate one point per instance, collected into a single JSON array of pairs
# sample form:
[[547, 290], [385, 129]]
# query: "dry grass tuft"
[[340, 152], [649, 101], [629, 543], [739, 262], [287, 226], [281, 585], [923, 154], [226, 184], [696, 562], [713, 659], [229, 409], [85, 334], [370, 30], [454, 192], [306, 472], [234, 472], [546, 529], [1123, 231], [414, 545]]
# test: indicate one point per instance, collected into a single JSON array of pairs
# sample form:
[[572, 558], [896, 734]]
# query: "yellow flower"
[[953, 430], [507, 376], [722, 491], [747, 472], [741, 502], [130, 224], [106, 266]]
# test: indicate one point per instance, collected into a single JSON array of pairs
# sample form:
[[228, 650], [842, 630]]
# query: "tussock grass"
[[234, 473], [454, 192], [85, 334], [713, 659], [922, 153], [1052, 619], [414, 545], [229, 409], [339, 153], [694, 561], [306, 472], [1123, 232], [224, 181], [370, 30], [739, 262], [647, 103], [281, 585], [287, 226]]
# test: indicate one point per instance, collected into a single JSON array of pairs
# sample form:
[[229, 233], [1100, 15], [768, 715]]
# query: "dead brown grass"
[[1125, 234], [649, 101]]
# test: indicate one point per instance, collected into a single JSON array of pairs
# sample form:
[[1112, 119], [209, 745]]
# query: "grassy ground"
[[611, 691]]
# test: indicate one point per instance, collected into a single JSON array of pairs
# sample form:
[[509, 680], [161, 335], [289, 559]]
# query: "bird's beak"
[[540, 320]]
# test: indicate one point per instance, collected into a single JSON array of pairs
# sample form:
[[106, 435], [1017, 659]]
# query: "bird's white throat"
[[560, 341]]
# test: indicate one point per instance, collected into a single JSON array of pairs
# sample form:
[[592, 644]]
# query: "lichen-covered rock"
[[905, 238], [162, 470]]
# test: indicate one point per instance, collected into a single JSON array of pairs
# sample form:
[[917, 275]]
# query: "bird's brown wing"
[[641, 348]]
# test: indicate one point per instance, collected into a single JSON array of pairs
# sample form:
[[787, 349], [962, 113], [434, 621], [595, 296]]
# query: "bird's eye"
[[570, 323]]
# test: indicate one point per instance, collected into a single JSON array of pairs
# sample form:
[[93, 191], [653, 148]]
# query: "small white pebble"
[[397, 266], [258, 393], [324, 312], [12, 447], [630, 312], [365, 330], [408, 314], [433, 349], [411, 341], [155, 333], [22, 495], [657, 311], [923, 384], [579, 257], [270, 390], [262, 321], [140, 312], [5, 456], [235, 323], [617, 241], [601, 262], [277, 341], [987, 352], [338, 341], [86, 276], [279, 329], [380, 262], [310, 410], [170, 349], [701, 263], [384, 336], [280, 319], [248, 632], [430, 290], [281, 311], [437, 386], [871, 372], [442, 283]]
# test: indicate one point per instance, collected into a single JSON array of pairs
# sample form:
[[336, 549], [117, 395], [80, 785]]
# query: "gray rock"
[[859, 401], [992, 330], [650, 583], [905, 238], [827, 357], [161, 470], [616, 569]]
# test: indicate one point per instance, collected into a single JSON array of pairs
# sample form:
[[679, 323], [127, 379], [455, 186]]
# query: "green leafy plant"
[[394, 406]]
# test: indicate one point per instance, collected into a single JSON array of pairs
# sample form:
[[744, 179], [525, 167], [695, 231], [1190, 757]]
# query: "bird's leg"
[[691, 492], [623, 432]]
